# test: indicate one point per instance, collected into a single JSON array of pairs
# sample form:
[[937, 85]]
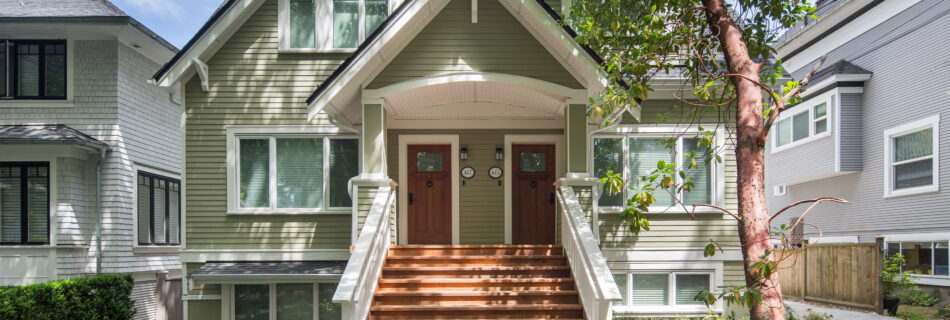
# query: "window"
[[24, 203], [924, 258], [912, 152], [33, 69], [286, 301], [159, 210], [294, 173], [636, 155], [330, 24], [668, 289], [801, 124], [779, 190]]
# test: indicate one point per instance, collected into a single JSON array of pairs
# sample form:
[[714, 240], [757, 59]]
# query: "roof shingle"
[[59, 8], [48, 134]]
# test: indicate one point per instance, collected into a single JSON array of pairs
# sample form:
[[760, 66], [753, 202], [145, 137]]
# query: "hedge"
[[100, 297]]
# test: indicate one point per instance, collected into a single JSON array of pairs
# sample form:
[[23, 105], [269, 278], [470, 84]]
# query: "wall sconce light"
[[463, 153], [499, 154]]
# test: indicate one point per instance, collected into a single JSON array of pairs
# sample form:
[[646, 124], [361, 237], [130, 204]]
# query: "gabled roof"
[[840, 67], [224, 7], [48, 134]]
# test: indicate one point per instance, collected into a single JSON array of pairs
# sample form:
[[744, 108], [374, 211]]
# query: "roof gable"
[[59, 8], [451, 43]]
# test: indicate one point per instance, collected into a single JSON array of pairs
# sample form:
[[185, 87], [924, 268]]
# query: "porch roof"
[[212, 271], [48, 134]]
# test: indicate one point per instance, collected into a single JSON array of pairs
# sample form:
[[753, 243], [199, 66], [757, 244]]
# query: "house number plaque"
[[468, 172], [495, 172]]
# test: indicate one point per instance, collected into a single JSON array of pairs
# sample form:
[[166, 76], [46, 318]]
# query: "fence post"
[[879, 267], [805, 254]]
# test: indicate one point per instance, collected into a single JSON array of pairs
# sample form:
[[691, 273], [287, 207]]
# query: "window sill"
[[911, 191], [700, 210], [27, 103], [801, 142], [312, 50], [155, 249], [292, 213], [647, 310]]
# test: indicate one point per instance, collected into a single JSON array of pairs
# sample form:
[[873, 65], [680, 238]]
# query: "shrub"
[[105, 297]]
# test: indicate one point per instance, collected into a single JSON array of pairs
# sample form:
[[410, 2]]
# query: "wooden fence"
[[838, 274]]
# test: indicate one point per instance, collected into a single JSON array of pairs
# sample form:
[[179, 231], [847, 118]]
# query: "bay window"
[[289, 301], [33, 69], [329, 25], [293, 173], [653, 290], [159, 210], [24, 203], [912, 153], [800, 123], [637, 155]]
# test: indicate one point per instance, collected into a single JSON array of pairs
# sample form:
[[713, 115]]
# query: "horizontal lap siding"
[[907, 85], [251, 84], [452, 43], [852, 150], [672, 229]]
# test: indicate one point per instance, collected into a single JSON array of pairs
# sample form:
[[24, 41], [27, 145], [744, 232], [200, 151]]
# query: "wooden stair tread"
[[476, 257], [477, 307], [474, 293], [478, 246], [466, 280], [478, 268]]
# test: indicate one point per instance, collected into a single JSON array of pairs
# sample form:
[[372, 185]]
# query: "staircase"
[[476, 282]]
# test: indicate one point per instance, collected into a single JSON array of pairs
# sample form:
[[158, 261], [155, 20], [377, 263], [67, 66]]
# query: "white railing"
[[358, 284], [595, 283]]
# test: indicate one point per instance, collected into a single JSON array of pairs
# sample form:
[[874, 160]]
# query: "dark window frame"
[[24, 201], [154, 178], [13, 72]]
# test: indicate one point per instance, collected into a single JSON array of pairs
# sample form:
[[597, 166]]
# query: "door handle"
[[552, 197], [410, 198]]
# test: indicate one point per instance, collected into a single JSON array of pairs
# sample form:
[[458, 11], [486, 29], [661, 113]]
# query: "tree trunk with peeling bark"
[[754, 224]]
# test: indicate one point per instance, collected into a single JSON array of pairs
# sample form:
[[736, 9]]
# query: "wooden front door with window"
[[533, 211], [430, 194]]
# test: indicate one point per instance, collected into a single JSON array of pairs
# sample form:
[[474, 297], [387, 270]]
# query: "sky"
[[175, 20]]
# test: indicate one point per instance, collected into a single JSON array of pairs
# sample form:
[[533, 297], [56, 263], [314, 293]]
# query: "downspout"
[[102, 158]]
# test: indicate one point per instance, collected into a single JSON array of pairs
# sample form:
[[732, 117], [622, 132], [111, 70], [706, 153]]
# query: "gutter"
[[102, 158]]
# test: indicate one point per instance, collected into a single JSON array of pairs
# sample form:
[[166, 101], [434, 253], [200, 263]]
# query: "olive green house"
[[427, 159]]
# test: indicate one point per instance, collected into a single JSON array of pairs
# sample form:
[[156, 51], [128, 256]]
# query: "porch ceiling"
[[475, 100]]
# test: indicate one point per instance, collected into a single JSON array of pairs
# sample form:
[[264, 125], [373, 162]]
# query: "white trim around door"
[[556, 139], [404, 141]]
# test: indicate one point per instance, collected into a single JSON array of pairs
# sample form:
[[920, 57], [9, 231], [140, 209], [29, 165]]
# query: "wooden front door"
[[430, 194], [533, 211]]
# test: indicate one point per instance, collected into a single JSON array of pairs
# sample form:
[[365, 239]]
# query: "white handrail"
[[358, 284], [595, 283]]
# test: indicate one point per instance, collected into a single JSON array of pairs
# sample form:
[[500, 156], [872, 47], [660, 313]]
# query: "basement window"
[[922, 258], [659, 291]]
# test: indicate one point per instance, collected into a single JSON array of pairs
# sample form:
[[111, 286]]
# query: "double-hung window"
[[24, 203], [33, 69], [329, 24], [294, 173], [159, 210], [924, 257], [808, 120], [912, 157], [637, 155], [308, 301], [661, 290]]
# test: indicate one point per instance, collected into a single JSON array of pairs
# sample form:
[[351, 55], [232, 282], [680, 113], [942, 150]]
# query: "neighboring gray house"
[[871, 129], [90, 152]]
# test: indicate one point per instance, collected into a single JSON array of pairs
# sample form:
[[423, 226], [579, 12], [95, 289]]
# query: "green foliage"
[[894, 280], [811, 315], [100, 297], [916, 296]]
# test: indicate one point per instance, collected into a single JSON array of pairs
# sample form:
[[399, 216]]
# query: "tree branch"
[[815, 200], [780, 104]]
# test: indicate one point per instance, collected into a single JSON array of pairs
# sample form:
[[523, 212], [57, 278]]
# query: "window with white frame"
[[636, 155], [661, 289], [924, 257], [330, 24], [312, 301], [33, 69], [159, 210], [802, 123], [294, 173], [912, 152]]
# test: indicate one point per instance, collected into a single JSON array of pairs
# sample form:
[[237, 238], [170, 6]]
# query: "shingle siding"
[[907, 85]]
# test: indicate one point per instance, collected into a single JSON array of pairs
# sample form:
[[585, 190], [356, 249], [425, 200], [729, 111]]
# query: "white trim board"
[[205, 255], [415, 139], [560, 159]]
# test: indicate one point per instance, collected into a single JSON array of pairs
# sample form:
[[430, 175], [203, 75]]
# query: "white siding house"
[[74, 98]]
